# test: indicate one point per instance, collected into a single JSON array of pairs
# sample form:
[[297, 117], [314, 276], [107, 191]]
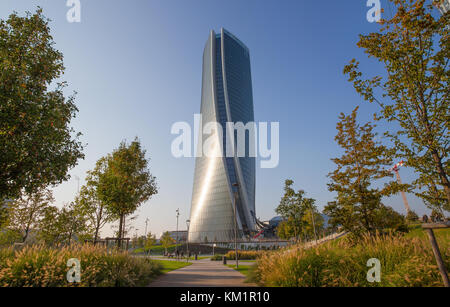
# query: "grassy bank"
[[39, 266], [405, 261], [168, 265], [243, 269]]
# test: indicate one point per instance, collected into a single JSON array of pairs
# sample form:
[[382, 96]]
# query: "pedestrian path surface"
[[202, 273]]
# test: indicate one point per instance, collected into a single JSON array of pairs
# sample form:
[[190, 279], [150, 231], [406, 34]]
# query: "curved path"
[[202, 273]]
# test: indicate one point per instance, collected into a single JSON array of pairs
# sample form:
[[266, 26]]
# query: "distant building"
[[226, 97]]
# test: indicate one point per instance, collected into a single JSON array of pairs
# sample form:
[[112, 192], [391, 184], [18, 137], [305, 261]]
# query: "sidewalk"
[[202, 273]]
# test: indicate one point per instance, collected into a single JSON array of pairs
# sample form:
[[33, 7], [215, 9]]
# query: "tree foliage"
[[90, 204], [37, 146], [292, 208], [150, 240], [166, 240], [63, 226], [126, 182], [413, 46], [364, 161], [26, 212]]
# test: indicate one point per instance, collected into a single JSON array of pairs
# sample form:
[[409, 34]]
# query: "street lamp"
[[78, 180], [146, 222], [235, 223], [188, 222], [176, 243]]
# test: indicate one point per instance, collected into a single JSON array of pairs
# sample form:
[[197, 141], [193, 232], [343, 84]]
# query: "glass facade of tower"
[[226, 97]]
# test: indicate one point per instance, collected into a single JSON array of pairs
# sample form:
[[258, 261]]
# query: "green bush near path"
[[242, 255]]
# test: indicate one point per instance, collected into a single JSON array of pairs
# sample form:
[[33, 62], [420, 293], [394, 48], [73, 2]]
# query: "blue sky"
[[136, 66]]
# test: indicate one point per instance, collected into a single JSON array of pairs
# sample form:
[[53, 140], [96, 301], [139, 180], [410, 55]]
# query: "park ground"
[[201, 273]]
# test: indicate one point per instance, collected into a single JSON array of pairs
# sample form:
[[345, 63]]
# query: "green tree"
[[364, 161], [26, 211], [89, 203], [166, 240], [413, 46], [72, 225], [285, 230], [150, 240], [388, 219], [37, 146], [292, 208], [49, 229], [310, 229], [63, 226], [141, 241], [126, 183]]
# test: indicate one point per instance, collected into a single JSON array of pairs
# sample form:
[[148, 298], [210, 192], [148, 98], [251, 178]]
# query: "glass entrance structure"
[[221, 179]]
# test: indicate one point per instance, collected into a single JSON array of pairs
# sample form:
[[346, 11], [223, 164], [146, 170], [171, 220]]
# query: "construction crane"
[[442, 5], [395, 169]]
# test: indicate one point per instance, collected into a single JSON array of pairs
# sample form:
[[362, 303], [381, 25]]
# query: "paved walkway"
[[202, 273]]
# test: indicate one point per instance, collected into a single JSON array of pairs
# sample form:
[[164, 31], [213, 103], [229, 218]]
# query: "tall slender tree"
[[27, 211], [127, 182], [90, 204], [363, 162], [166, 241]]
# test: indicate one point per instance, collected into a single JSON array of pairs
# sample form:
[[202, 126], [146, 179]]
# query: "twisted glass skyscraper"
[[219, 181]]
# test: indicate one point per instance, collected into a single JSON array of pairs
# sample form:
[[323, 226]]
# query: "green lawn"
[[169, 265], [243, 269], [417, 231], [156, 249]]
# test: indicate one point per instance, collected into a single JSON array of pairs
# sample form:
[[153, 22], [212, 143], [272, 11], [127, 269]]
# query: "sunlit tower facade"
[[223, 183]]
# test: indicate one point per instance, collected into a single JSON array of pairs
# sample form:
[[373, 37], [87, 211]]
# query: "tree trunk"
[[119, 234], [25, 236], [442, 174], [96, 235], [123, 226], [99, 222]]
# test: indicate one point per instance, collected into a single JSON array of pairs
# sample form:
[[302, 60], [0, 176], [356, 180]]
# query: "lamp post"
[[188, 222], [235, 223], [78, 180], [176, 243], [146, 222]]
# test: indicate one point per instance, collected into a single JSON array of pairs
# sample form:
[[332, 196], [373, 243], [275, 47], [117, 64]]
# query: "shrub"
[[404, 261], [216, 257], [244, 255], [40, 266]]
